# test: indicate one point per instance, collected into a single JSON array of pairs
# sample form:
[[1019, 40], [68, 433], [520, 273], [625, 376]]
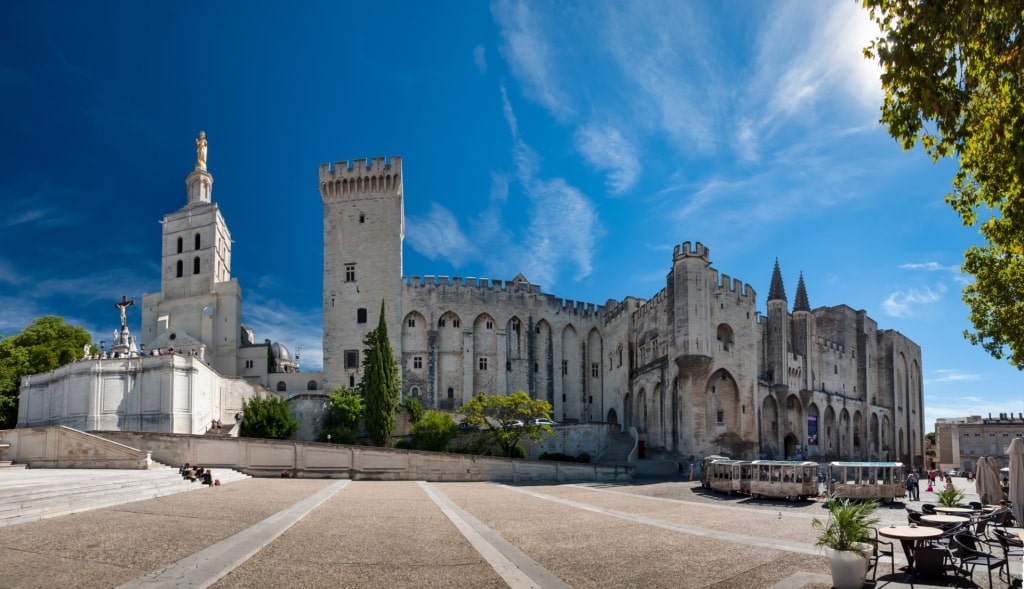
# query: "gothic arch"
[[570, 374], [450, 362], [641, 411], [613, 417], [517, 356], [873, 438], [858, 434], [770, 428], [794, 412], [813, 435], [543, 362], [722, 404], [485, 355], [829, 435], [593, 400], [845, 435]]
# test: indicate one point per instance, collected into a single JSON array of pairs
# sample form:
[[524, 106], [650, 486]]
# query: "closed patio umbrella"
[[1016, 493], [989, 488]]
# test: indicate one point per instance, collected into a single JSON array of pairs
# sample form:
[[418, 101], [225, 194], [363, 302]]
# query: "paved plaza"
[[338, 533]]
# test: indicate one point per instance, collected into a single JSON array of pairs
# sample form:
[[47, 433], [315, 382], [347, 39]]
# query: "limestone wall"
[[169, 393], [269, 458], [63, 447]]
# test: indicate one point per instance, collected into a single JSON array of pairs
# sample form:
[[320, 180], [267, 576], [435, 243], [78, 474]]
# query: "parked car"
[[543, 421], [464, 427], [516, 423]]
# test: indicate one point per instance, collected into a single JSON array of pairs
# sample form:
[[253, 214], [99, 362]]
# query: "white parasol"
[[1016, 452], [989, 489]]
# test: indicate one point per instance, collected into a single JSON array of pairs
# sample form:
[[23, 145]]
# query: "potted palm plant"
[[846, 537], [949, 497]]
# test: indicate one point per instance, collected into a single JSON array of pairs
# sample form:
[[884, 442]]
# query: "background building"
[[695, 369], [962, 441]]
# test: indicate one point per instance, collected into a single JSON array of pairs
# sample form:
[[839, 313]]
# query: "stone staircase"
[[618, 449], [33, 494]]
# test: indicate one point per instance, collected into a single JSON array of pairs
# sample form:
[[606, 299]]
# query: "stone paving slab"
[[587, 549], [401, 534], [108, 547], [371, 534]]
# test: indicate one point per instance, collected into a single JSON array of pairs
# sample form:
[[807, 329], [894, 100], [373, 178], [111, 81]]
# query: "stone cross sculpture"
[[201, 151], [123, 306]]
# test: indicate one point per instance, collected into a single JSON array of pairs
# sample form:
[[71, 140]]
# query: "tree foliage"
[[267, 417], [506, 418], [953, 82], [434, 431], [414, 408], [380, 384], [47, 343], [344, 414]]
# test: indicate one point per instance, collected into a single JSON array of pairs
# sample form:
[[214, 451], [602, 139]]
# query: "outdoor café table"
[[955, 510], [910, 538], [945, 519]]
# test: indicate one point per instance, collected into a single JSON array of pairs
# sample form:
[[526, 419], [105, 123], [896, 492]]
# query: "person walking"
[[917, 487]]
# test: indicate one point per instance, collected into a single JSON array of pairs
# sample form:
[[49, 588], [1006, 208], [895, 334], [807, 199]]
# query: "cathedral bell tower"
[[198, 307]]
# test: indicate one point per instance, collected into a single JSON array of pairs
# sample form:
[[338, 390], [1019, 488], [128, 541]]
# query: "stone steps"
[[33, 494]]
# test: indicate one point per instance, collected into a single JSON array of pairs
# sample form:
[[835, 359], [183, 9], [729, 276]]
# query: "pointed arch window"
[[181, 245], [181, 268], [195, 265], [197, 241]]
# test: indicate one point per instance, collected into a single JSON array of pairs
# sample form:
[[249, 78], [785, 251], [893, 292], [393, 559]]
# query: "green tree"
[[344, 413], [267, 417], [45, 344], [380, 384], [414, 408], [434, 431], [507, 418], [952, 76]]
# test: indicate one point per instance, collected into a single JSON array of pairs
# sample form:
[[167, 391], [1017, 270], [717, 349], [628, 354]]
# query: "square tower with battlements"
[[363, 233]]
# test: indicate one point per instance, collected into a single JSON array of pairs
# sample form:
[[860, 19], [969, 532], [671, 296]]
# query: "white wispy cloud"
[[529, 55], [562, 221], [949, 375], [300, 331], [437, 235], [904, 303], [929, 266], [480, 58], [605, 148]]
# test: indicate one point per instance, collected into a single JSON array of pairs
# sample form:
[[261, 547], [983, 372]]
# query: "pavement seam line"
[[733, 508], [512, 565], [206, 567], [778, 544]]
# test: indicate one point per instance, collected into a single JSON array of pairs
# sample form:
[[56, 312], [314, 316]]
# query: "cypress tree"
[[380, 384]]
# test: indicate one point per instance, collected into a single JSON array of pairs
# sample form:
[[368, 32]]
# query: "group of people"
[[197, 473]]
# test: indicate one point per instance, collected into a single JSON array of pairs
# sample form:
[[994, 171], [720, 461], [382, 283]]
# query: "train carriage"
[[730, 476], [705, 469], [787, 479], [880, 481]]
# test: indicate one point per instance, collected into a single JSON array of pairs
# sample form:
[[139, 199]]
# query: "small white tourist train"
[[787, 479], [881, 481], [730, 476]]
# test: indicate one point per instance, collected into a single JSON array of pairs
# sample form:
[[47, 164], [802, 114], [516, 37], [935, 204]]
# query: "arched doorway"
[[791, 443], [613, 417]]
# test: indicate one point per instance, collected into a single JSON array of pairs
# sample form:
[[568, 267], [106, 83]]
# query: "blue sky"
[[576, 143]]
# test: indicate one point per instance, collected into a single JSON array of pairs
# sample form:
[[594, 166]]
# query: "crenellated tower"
[[363, 233], [778, 328], [691, 283]]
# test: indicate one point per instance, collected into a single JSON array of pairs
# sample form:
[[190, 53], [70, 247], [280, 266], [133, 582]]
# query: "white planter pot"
[[848, 569]]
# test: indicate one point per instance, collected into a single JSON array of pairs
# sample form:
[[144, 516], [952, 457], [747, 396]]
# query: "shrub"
[[434, 432], [267, 417]]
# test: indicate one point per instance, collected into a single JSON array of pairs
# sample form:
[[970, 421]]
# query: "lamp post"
[[103, 348]]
